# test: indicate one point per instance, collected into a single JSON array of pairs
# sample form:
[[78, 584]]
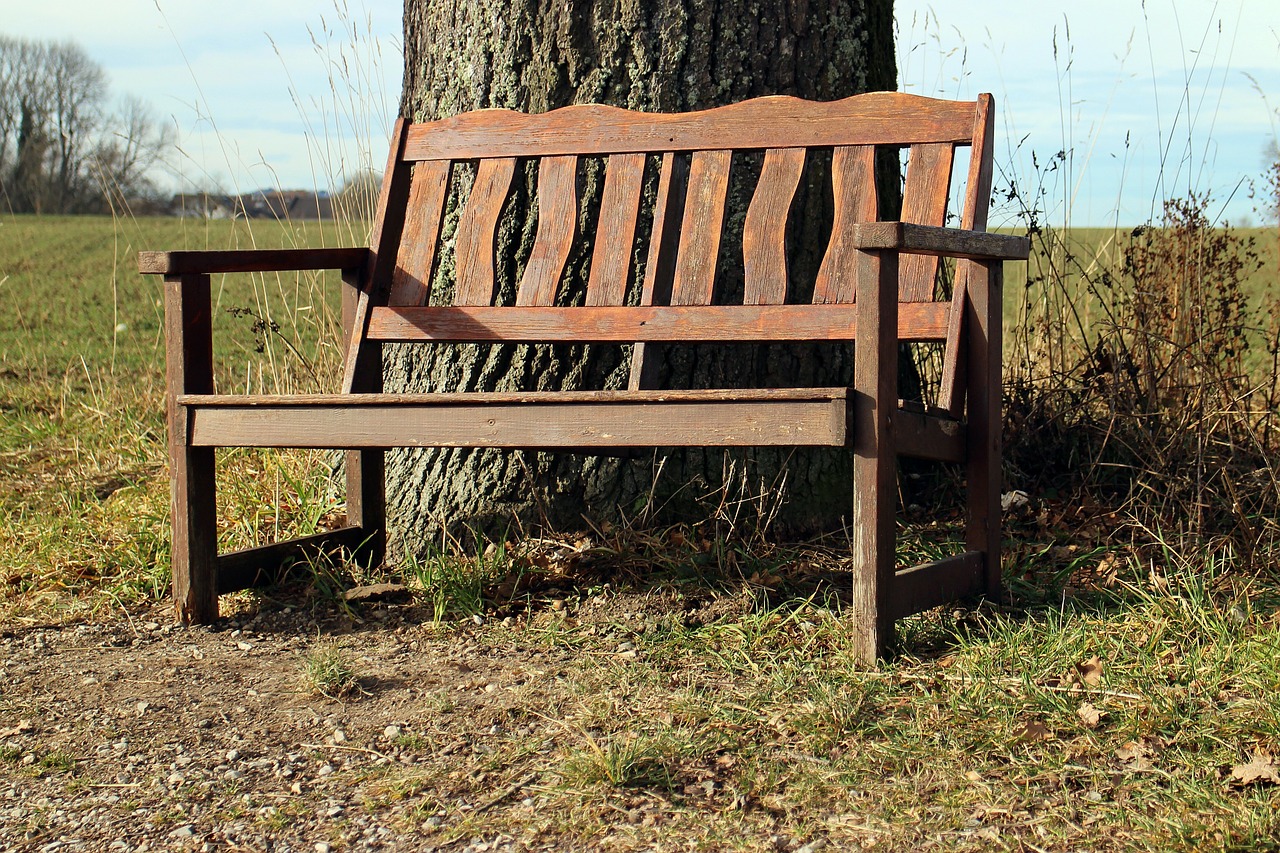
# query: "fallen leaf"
[[1136, 756], [1090, 715], [21, 728], [1261, 768], [1033, 732], [1090, 671]]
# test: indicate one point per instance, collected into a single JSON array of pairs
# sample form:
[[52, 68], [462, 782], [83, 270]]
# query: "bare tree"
[[61, 149]]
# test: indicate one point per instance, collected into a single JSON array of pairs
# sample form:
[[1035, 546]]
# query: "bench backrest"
[[693, 154]]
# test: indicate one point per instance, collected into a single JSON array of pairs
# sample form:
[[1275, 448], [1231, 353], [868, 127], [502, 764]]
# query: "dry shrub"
[[1145, 382]]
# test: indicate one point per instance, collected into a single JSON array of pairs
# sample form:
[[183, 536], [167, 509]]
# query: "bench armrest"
[[249, 260], [932, 240]]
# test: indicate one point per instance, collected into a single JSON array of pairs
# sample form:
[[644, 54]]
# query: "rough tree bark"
[[662, 55]]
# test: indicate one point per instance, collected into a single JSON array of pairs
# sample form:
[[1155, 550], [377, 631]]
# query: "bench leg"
[[367, 504], [874, 461], [193, 494], [195, 534], [982, 517]]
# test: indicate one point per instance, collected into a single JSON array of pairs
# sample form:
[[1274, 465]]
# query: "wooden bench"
[[876, 286]]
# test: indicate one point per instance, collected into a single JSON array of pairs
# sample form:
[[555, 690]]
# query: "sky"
[[1146, 100]]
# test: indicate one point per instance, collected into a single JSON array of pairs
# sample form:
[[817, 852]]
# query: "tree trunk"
[[666, 56]]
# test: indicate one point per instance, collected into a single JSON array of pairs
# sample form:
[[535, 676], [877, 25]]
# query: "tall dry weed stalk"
[[1146, 382]]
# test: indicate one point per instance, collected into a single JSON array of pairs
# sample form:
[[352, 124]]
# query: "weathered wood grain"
[[924, 321], [853, 182], [193, 496], [477, 229], [411, 281], [764, 233], [877, 118], [557, 224], [700, 231], [432, 423], [616, 230], [924, 202]]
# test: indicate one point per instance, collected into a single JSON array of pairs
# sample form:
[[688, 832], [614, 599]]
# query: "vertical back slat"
[[659, 269], [700, 231], [924, 202], [477, 229], [616, 230], [764, 233], [853, 183], [411, 281], [557, 224]]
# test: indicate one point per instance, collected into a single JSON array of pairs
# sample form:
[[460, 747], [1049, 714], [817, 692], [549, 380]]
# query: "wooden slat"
[[375, 277], [576, 425], [524, 398], [777, 121], [267, 564], [616, 230], [764, 233], [557, 223], [411, 282], [853, 182], [920, 321], [934, 584], [924, 202], [700, 230], [973, 218], [659, 269], [477, 230], [249, 260]]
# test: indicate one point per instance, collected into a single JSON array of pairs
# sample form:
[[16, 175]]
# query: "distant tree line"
[[63, 149]]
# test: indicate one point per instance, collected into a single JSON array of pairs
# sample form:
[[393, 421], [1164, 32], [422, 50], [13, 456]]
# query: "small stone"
[[186, 831], [323, 847], [334, 811], [141, 708], [243, 646], [339, 736], [326, 770], [391, 732], [233, 754]]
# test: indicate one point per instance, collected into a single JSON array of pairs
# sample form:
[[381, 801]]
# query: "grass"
[[82, 441], [1097, 709], [329, 673]]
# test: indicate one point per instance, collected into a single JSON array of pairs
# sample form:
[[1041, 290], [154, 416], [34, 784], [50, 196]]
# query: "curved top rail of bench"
[[773, 121]]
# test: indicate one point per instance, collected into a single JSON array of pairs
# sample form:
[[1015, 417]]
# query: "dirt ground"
[[136, 734]]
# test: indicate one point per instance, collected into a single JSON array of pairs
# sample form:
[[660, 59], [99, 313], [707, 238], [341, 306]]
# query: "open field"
[[622, 690]]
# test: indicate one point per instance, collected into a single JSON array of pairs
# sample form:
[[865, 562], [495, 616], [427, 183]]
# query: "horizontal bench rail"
[[345, 423], [919, 321], [779, 121]]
